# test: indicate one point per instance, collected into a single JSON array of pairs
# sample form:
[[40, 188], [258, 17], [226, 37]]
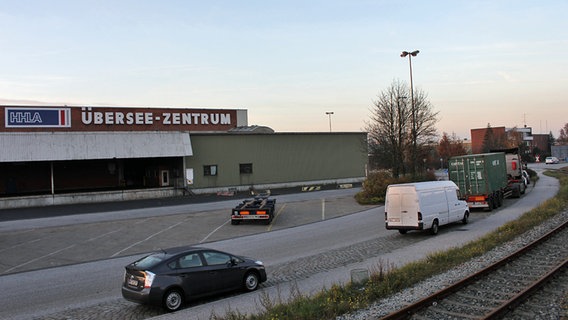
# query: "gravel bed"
[[425, 288]]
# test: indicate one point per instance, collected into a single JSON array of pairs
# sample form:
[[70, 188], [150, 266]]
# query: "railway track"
[[500, 288]]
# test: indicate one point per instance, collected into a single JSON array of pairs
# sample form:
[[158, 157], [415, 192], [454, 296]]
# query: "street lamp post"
[[329, 113], [410, 55]]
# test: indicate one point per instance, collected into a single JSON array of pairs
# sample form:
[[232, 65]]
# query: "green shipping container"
[[479, 174]]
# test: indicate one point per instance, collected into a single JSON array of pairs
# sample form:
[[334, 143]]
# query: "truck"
[[423, 206], [515, 180], [486, 179], [261, 207]]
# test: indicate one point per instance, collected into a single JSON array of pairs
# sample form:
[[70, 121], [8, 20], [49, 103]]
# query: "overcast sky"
[[290, 62]]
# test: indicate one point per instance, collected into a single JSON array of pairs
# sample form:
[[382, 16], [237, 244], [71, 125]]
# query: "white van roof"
[[426, 185]]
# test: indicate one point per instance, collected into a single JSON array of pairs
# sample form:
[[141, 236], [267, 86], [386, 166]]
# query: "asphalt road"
[[334, 236]]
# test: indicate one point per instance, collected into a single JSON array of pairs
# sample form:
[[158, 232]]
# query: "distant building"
[[501, 137], [541, 146], [478, 137], [560, 152], [61, 154]]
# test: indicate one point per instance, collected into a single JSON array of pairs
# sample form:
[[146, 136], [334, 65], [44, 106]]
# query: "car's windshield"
[[149, 261]]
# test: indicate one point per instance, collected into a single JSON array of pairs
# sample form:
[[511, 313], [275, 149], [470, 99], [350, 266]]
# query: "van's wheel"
[[434, 229], [251, 281], [402, 231], [465, 219], [173, 300]]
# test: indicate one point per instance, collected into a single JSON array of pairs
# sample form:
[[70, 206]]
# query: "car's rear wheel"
[[251, 281], [173, 300]]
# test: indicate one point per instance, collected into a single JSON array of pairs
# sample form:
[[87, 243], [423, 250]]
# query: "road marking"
[[103, 235], [21, 244], [323, 209], [212, 232], [38, 258], [148, 238], [275, 217]]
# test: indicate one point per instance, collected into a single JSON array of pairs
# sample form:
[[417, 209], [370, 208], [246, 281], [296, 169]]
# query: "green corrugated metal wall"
[[277, 158]]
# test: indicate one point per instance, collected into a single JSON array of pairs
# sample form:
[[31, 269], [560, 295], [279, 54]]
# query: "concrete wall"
[[87, 197]]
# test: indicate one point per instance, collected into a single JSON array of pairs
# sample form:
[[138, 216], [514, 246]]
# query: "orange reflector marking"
[[244, 213]]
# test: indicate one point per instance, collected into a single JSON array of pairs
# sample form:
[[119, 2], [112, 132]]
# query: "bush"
[[374, 188]]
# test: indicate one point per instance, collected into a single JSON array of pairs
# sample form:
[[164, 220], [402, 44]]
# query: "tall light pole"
[[410, 55], [329, 113]]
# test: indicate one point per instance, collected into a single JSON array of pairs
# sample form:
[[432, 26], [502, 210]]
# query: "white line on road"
[[38, 258], [276, 217], [212, 232], [147, 238]]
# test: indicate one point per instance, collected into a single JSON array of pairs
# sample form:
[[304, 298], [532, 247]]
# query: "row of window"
[[212, 170]]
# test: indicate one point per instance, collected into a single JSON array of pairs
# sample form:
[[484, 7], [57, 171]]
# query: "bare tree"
[[390, 127], [450, 147]]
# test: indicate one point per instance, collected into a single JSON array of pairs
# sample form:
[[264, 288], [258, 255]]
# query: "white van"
[[423, 205]]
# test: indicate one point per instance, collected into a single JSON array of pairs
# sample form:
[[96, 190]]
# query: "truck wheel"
[[516, 191], [434, 229], [489, 204], [499, 199]]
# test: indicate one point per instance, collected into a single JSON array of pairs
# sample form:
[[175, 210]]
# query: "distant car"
[[551, 160], [172, 276]]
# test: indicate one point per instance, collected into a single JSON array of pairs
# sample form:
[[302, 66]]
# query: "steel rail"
[[411, 309], [509, 305]]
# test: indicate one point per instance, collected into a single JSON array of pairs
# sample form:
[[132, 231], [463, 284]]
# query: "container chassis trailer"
[[261, 207]]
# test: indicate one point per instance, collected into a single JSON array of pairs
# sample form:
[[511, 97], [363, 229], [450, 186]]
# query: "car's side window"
[[216, 258], [188, 261]]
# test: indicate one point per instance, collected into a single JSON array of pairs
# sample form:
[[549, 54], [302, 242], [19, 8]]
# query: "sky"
[[498, 63]]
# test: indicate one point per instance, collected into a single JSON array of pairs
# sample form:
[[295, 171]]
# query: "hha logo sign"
[[38, 117]]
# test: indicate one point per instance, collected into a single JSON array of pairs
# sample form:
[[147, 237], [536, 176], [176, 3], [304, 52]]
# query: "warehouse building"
[[62, 154]]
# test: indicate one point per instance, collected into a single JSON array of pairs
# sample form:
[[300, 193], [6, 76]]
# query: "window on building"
[[245, 168], [210, 170]]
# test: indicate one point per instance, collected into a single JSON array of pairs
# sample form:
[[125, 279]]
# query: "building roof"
[[56, 146]]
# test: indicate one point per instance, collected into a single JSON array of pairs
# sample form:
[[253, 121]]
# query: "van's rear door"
[[402, 207]]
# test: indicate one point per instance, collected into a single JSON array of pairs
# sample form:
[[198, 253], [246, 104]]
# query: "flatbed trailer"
[[261, 207]]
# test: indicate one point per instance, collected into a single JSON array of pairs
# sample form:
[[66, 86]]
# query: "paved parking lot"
[[67, 239]]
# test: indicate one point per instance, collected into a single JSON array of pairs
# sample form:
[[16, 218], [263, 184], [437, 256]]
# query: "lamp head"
[[405, 53]]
